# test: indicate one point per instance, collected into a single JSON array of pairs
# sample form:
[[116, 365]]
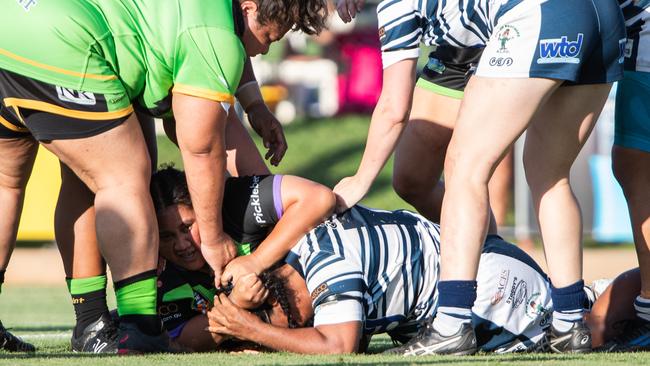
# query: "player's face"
[[257, 37], [176, 225]]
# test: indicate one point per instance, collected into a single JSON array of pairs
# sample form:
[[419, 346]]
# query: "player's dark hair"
[[169, 187], [276, 288], [305, 15]]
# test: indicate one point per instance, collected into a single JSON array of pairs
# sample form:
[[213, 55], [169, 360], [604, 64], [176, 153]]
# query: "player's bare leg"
[[115, 165], [420, 154], [421, 151], [84, 266], [479, 142], [15, 168], [563, 123], [500, 188], [632, 170], [243, 157]]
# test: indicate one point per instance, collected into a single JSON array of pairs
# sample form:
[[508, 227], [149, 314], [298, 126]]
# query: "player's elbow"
[[339, 347], [392, 110], [325, 199]]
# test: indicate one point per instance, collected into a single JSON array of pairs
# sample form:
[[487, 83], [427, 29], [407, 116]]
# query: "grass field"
[[44, 316], [319, 151]]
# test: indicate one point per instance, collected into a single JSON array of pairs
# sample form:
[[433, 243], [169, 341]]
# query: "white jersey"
[[637, 23], [382, 268], [404, 24]]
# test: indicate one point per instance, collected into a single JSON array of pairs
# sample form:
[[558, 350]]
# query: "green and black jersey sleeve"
[[251, 207], [182, 295]]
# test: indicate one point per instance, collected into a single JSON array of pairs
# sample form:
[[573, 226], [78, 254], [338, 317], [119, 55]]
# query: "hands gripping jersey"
[[579, 40], [382, 268], [251, 206], [131, 50]]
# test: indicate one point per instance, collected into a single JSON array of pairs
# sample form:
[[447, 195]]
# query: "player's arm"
[[260, 117], [202, 144], [305, 204], [195, 338], [388, 121], [225, 318]]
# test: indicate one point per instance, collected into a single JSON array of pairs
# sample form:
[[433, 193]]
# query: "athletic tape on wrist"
[[249, 94]]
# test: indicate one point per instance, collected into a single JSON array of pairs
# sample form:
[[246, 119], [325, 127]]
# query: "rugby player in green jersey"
[[72, 76]]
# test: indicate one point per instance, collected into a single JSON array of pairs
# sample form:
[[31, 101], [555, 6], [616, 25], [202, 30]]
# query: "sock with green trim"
[[136, 302], [2, 278], [88, 299]]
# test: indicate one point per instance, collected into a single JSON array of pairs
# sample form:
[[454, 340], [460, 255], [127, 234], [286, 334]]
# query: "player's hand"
[[348, 9], [270, 130], [249, 292], [240, 267], [226, 318], [349, 191], [217, 254]]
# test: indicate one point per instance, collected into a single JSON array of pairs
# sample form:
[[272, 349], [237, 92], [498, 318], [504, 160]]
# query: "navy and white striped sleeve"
[[334, 280], [400, 31]]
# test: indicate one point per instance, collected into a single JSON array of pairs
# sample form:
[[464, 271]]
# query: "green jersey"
[[132, 50]]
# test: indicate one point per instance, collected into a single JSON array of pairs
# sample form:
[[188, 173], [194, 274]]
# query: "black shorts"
[[449, 69], [49, 112]]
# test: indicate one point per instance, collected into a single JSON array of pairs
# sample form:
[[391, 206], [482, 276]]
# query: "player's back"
[[388, 260]]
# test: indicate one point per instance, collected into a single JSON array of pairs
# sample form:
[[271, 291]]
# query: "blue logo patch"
[[560, 50]]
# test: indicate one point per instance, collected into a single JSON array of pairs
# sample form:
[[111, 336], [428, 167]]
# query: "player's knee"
[[409, 188]]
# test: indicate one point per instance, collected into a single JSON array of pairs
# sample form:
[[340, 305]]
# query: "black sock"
[[2, 278], [88, 308], [88, 299]]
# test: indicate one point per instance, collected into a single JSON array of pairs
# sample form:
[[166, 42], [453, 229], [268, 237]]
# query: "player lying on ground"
[[364, 272], [252, 207]]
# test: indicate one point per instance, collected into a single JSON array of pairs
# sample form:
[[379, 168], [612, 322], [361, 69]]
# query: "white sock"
[[642, 307], [449, 319]]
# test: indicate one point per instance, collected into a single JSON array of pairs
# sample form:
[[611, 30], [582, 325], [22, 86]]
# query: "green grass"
[[43, 315], [324, 151]]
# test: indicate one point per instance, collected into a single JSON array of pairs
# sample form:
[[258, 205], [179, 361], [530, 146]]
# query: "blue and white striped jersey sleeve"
[[400, 31], [335, 281]]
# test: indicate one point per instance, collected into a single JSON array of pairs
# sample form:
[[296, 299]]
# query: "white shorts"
[[513, 304], [579, 41]]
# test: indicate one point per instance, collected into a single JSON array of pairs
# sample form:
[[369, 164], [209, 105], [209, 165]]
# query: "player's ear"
[[248, 6]]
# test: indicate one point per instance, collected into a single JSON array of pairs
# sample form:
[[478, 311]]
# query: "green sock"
[[136, 301], [137, 298], [80, 286]]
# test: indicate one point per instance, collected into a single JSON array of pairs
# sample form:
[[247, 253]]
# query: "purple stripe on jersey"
[[277, 195], [176, 332]]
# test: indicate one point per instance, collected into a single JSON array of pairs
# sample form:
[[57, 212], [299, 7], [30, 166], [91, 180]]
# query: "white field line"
[[51, 335]]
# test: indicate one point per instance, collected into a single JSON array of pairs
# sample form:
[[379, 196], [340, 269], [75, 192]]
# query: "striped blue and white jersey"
[[377, 267], [404, 24], [637, 24], [381, 268]]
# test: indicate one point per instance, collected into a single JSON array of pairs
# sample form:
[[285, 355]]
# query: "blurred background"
[[323, 89]]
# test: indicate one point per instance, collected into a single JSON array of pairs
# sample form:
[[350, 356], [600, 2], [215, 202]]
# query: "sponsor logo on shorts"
[[518, 293], [505, 34], [501, 61], [382, 33], [534, 307], [75, 96], [501, 287], [255, 201], [27, 4], [560, 50]]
